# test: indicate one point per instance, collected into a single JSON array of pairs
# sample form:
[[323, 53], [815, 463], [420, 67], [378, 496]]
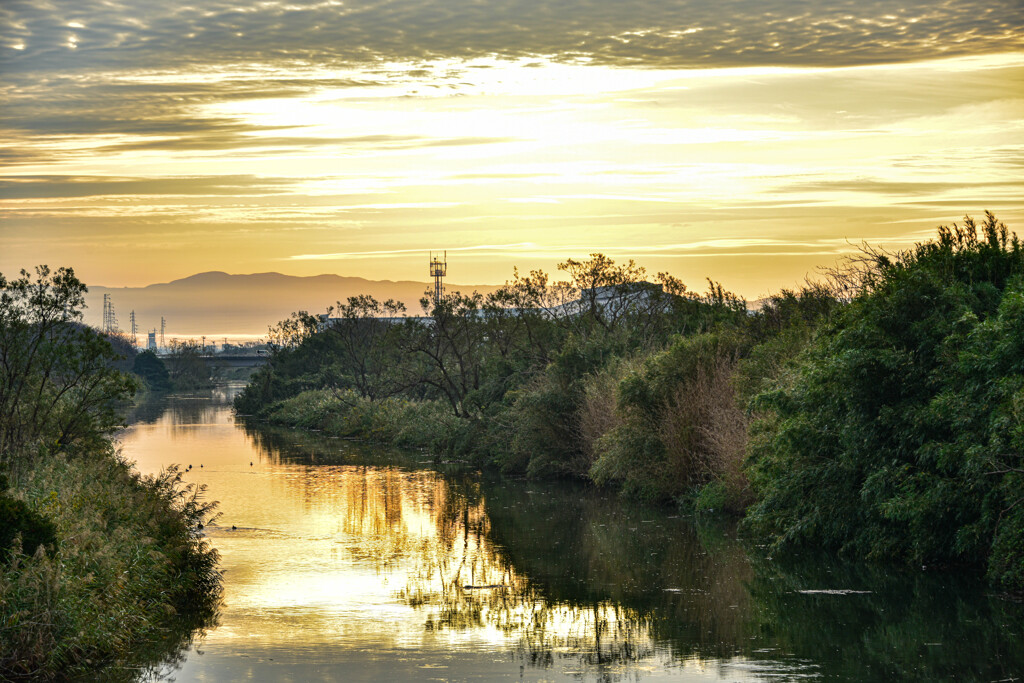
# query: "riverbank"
[[100, 568], [875, 414], [127, 569]]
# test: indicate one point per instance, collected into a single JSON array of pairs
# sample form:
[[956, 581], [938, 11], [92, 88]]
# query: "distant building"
[[151, 341]]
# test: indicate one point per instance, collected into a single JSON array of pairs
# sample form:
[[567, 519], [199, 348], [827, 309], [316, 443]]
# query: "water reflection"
[[348, 561]]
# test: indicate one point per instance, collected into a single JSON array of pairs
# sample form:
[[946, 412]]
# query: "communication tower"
[[109, 319], [438, 269]]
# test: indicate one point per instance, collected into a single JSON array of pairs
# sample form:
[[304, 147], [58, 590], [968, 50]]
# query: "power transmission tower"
[[109, 319], [135, 331], [163, 325]]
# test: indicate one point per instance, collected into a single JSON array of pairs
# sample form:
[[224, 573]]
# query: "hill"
[[218, 303]]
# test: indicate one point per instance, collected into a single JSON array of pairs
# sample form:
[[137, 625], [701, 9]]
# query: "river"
[[344, 561]]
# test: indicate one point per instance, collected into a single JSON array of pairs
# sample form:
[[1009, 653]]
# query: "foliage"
[[292, 331], [127, 560], [897, 434], [675, 411], [361, 334], [450, 348], [111, 557], [152, 371], [410, 424], [57, 383], [185, 365], [18, 520]]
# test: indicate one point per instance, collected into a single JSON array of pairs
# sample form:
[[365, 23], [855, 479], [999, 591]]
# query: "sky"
[[749, 142]]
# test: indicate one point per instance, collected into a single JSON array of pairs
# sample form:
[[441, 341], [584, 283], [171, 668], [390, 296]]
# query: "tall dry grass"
[[598, 414], [676, 431], [704, 432], [129, 562]]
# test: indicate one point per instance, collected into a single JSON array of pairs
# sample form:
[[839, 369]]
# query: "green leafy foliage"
[[670, 410], [898, 433], [152, 371], [96, 558], [58, 385], [129, 559]]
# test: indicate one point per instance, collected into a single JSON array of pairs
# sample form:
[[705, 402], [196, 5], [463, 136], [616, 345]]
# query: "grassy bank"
[[395, 421], [127, 562]]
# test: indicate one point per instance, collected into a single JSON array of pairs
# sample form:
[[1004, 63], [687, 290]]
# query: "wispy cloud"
[[388, 253], [728, 246]]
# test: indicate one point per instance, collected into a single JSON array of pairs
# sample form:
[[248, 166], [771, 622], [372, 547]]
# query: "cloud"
[[897, 188], [56, 186], [40, 38]]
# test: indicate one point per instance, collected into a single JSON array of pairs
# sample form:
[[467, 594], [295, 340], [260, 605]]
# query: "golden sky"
[[746, 141]]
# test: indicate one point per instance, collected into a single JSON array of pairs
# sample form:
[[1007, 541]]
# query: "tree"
[[450, 346], [152, 371], [57, 383], [361, 334], [185, 365], [292, 331]]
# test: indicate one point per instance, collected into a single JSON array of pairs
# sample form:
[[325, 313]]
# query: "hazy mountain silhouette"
[[217, 303]]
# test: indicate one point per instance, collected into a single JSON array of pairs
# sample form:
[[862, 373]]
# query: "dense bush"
[[127, 560], [898, 435], [410, 424], [96, 558], [681, 427], [152, 371]]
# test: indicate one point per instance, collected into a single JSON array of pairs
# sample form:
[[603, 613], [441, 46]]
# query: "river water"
[[345, 562]]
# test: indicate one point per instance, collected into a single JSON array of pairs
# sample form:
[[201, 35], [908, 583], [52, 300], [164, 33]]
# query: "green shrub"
[[711, 497], [410, 424], [898, 434], [152, 371]]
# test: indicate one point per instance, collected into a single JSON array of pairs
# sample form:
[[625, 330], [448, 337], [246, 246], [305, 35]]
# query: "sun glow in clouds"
[[646, 137]]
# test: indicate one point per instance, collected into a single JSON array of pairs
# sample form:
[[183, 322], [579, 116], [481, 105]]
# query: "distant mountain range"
[[219, 304]]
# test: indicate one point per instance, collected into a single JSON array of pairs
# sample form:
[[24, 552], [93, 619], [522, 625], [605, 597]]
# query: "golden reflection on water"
[[322, 556], [347, 562]]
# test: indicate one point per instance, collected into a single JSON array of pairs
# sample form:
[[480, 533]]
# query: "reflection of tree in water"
[[900, 625], [571, 573], [278, 445], [564, 574], [181, 409]]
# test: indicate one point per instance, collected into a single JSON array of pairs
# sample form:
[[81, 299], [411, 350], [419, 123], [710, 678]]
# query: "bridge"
[[226, 360]]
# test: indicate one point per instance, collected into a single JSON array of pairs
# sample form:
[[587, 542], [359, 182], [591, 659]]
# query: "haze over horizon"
[[242, 306], [747, 142]]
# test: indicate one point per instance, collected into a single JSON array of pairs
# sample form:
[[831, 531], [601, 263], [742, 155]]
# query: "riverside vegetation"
[[95, 559], [878, 413]]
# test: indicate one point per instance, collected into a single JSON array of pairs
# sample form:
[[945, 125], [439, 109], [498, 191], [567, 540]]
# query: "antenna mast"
[[438, 269]]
